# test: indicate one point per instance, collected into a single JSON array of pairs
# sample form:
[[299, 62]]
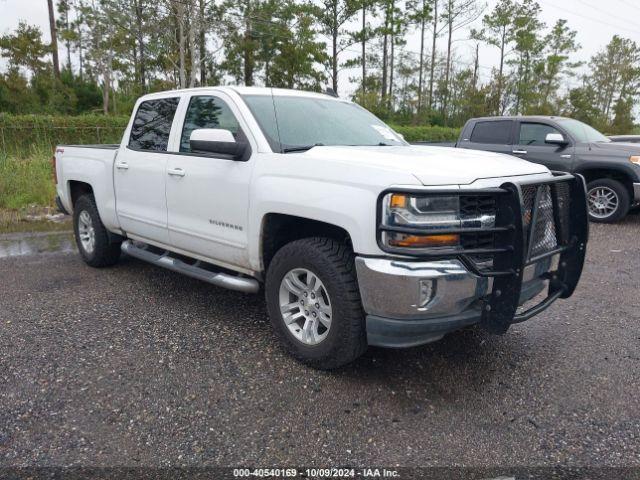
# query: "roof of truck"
[[521, 117], [246, 91]]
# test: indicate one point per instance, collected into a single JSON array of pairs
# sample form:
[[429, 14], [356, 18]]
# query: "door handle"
[[176, 172], [519, 152], [122, 166]]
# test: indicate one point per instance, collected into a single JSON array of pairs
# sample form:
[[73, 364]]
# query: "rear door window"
[[535, 133], [152, 124], [497, 133]]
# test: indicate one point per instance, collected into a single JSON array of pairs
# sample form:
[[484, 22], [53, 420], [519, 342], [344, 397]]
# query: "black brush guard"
[[513, 247]]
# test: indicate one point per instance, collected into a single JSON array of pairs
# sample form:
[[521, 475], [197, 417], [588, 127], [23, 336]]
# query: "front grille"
[[477, 205], [482, 209], [551, 217]]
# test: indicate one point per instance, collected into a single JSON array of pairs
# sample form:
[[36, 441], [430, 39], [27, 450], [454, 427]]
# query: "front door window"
[[535, 134]]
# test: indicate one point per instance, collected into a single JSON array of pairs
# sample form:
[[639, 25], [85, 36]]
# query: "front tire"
[[608, 200], [92, 238], [314, 302]]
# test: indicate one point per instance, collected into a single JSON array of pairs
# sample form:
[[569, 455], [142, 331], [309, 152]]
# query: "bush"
[[427, 133], [24, 135]]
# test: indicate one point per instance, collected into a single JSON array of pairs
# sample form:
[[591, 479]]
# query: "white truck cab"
[[358, 237]]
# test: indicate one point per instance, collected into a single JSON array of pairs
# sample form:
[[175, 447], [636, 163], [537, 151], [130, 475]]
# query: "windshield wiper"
[[379, 144], [303, 148]]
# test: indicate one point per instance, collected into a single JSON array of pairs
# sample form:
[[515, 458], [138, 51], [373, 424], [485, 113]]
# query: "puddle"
[[17, 244]]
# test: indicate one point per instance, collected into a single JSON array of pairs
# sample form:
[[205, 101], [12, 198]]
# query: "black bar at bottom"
[[542, 306]]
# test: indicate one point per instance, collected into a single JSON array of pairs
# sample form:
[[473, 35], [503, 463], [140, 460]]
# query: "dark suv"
[[612, 170]]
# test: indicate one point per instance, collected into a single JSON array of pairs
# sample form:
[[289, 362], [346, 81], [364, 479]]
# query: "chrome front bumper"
[[414, 302]]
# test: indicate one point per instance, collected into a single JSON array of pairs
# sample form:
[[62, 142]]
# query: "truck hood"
[[431, 165]]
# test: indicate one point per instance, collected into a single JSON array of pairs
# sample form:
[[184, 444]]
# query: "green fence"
[[25, 135], [427, 133]]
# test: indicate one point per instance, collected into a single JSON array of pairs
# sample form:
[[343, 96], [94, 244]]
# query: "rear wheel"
[[314, 302], [93, 240], [608, 200]]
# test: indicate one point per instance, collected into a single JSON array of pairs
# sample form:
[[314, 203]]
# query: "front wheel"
[[314, 303], [608, 200]]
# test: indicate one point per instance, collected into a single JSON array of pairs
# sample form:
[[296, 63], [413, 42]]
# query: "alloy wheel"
[[305, 306], [603, 202], [86, 232]]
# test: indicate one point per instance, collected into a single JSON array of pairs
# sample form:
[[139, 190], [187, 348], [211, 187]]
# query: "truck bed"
[[91, 165], [101, 146]]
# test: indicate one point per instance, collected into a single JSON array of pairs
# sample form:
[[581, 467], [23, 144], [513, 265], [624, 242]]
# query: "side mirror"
[[555, 138], [217, 140]]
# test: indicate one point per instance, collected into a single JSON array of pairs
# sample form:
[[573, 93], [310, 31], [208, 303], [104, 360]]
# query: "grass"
[[26, 181], [27, 194], [27, 191]]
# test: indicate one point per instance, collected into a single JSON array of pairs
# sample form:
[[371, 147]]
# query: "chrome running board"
[[197, 270]]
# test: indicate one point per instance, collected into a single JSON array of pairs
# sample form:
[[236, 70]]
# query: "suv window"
[[535, 133], [152, 124], [207, 112], [495, 132]]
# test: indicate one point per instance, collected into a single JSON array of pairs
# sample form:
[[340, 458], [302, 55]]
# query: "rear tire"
[[92, 238], [332, 265], [601, 195]]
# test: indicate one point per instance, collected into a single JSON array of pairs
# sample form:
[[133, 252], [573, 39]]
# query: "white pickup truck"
[[358, 237]]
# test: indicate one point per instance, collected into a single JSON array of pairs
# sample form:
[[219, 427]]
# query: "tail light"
[[54, 170]]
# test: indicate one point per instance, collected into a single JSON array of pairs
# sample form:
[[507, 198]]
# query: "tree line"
[[115, 50]]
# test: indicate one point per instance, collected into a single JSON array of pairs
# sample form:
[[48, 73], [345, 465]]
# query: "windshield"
[[581, 131], [294, 123]]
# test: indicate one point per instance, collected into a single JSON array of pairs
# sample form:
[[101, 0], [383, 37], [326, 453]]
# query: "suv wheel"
[[608, 200], [314, 302], [92, 238]]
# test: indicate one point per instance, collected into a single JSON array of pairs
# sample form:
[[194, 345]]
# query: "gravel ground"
[[138, 366]]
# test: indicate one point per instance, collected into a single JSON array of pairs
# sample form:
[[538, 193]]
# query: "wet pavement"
[[134, 365], [17, 244]]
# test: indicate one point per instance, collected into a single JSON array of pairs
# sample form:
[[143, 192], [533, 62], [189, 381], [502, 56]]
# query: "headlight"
[[412, 221], [635, 159]]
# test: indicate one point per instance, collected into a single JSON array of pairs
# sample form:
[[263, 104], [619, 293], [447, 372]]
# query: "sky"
[[596, 21]]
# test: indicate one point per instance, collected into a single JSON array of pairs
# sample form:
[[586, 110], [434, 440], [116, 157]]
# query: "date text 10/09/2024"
[[315, 473]]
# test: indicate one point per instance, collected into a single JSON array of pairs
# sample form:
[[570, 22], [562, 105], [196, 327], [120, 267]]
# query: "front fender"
[[351, 208]]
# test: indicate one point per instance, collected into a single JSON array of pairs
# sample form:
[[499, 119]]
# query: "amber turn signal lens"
[[398, 201], [416, 241], [635, 159]]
